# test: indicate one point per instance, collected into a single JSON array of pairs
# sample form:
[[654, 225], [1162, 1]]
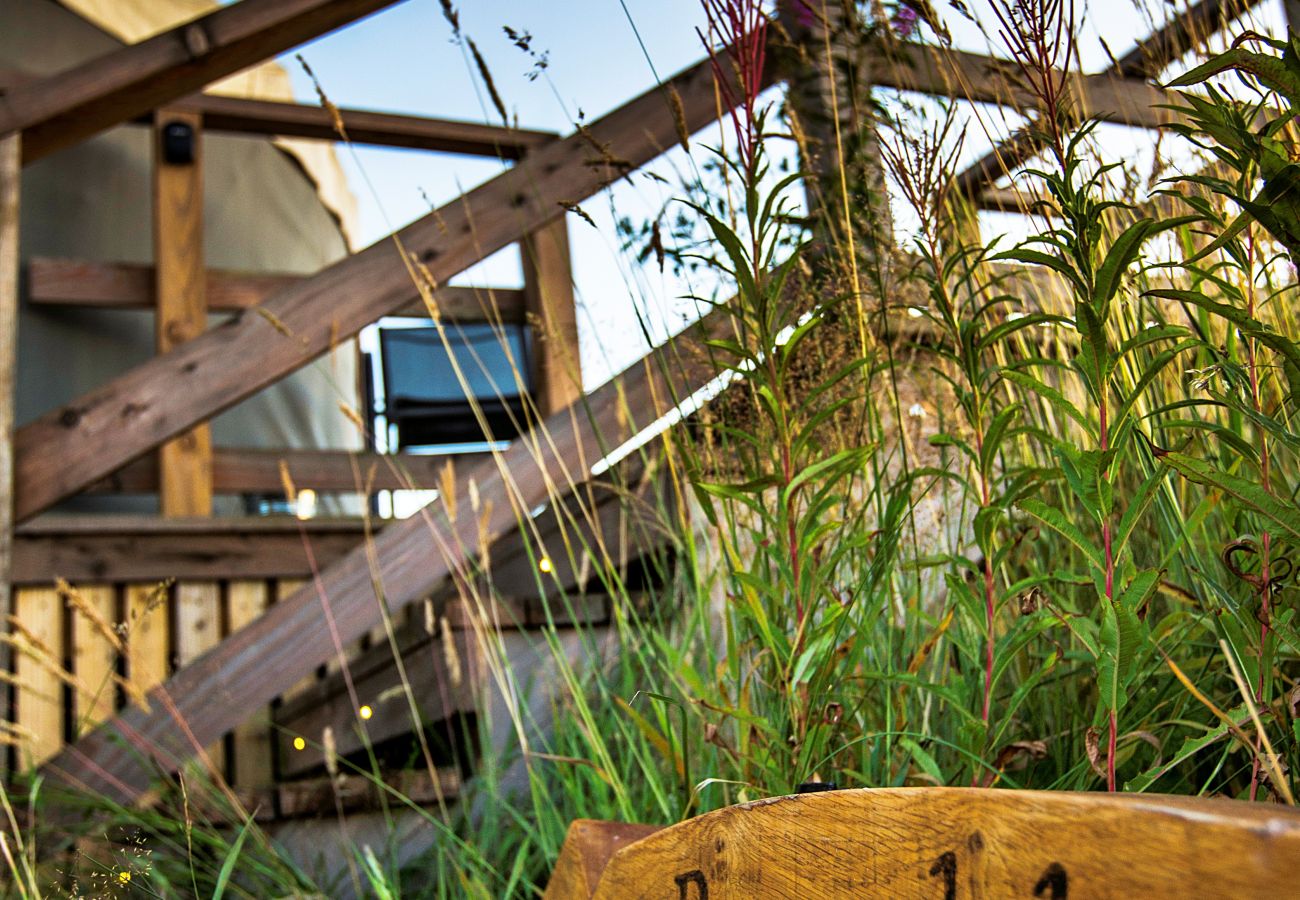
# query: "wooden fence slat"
[[148, 642], [198, 630], [94, 659], [38, 699], [251, 766]]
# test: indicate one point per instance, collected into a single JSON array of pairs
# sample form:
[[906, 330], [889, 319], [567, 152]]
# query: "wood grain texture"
[[197, 629], [63, 109], [94, 658], [73, 446], [38, 692], [145, 548], [185, 462], [54, 282], [148, 639], [588, 847], [958, 843], [548, 291]]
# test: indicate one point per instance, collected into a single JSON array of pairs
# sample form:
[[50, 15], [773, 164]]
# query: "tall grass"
[[965, 512]]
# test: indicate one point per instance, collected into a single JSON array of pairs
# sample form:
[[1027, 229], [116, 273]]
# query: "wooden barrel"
[[942, 843]]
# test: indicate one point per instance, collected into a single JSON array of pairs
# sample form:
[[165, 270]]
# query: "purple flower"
[[904, 20], [803, 14]]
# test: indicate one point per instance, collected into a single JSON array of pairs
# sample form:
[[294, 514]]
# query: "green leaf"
[[1119, 640], [1191, 747], [232, 857], [923, 759], [1136, 508], [1051, 394], [1282, 513], [1057, 521]]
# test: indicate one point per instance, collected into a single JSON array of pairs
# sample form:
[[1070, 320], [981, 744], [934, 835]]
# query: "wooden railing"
[[84, 442]]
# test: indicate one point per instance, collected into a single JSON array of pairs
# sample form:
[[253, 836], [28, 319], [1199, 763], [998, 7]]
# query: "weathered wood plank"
[[63, 109], [364, 127], [185, 462], [588, 847], [548, 291], [69, 282], [357, 793], [10, 183], [94, 657], [96, 434], [409, 558], [148, 639], [963, 842], [947, 72], [137, 548], [251, 764], [253, 471], [38, 659], [197, 630]]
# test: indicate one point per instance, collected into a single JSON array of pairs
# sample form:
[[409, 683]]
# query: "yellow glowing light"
[[546, 566], [299, 744], [366, 712]]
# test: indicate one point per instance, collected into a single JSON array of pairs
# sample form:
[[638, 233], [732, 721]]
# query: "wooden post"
[[829, 94], [10, 176], [185, 463], [548, 295]]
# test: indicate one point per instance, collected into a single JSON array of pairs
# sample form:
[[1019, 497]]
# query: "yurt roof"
[[134, 20]]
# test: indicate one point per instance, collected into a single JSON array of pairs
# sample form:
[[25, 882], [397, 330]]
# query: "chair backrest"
[[947, 843], [424, 396]]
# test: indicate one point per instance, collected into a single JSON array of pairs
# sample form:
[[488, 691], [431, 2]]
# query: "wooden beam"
[[548, 292], [83, 441], [409, 558], [121, 549], [299, 120], [920, 842], [63, 109], [185, 462], [98, 285], [977, 78], [248, 471], [1150, 56], [10, 178]]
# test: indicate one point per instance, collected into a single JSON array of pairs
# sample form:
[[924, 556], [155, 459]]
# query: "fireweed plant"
[[1100, 420]]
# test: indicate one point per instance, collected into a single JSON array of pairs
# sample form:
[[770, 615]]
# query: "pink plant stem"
[[1266, 538], [1113, 725]]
